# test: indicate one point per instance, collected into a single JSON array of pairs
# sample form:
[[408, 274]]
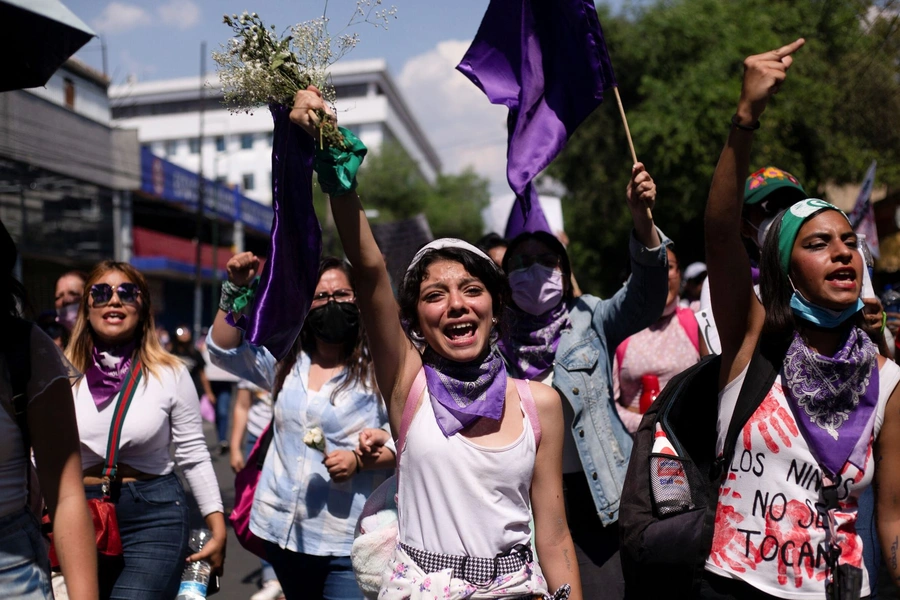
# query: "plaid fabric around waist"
[[479, 571]]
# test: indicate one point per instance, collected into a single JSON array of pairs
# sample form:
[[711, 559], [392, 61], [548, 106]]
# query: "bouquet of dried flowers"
[[258, 67]]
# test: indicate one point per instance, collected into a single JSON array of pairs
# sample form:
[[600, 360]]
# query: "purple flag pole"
[[289, 276], [545, 60]]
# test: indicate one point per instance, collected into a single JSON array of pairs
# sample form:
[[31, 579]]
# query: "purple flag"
[[522, 220], [289, 277], [546, 61]]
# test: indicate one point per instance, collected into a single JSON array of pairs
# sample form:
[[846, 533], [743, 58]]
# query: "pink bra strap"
[[530, 409], [409, 409]]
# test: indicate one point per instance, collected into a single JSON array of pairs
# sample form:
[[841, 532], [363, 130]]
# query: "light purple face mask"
[[68, 314], [536, 289]]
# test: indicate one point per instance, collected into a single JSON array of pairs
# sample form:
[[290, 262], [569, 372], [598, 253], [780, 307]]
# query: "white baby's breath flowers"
[[315, 438], [257, 67]]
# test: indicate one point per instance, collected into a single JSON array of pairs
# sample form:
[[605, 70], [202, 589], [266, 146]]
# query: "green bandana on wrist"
[[337, 168], [791, 222], [245, 297]]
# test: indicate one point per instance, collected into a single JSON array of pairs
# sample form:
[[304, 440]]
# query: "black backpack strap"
[[761, 374]]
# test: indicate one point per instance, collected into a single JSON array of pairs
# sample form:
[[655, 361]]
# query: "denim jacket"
[[582, 372]]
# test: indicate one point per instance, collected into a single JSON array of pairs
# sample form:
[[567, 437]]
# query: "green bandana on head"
[[791, 222]]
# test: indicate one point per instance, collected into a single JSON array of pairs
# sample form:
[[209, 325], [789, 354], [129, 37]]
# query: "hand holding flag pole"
[[628, 135]]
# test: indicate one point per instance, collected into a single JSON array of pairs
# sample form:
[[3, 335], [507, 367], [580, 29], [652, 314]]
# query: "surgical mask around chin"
[[536, 289], [67, 314], [818, 315]]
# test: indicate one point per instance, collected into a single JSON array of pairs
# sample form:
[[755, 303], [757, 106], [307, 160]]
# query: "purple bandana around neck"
[[530, 346], [834, 399], [108, 370], [462, 392]]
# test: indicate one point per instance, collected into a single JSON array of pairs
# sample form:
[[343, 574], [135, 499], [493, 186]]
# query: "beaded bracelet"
[[736, 123]]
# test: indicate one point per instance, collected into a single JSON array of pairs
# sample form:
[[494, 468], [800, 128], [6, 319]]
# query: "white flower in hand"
[[315, 438]]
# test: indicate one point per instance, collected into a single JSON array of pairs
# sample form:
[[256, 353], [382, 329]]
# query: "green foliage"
[[390, 182], [679, 66]]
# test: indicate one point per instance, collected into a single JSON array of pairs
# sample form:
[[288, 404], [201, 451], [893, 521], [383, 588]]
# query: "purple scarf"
[[834, 399], [462, 392], [108, 371], [530, 346]]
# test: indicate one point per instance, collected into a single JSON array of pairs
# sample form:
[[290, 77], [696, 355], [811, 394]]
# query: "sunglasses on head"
[[102, 293]]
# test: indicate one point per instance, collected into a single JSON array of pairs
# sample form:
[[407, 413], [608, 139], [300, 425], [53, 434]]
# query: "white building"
[[237, 147]]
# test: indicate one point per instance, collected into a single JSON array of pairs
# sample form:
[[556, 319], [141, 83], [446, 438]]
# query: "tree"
[[391, 184], [679, 65]]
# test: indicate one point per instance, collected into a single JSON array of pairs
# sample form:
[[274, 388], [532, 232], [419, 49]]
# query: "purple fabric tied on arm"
[[289, 277], [545, 60]]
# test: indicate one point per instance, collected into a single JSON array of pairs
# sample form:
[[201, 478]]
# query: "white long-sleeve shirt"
[[165, 411]]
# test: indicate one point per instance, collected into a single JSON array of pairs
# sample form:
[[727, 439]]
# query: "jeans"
[[268, 573], [222, 390], [304, 576], [153, 524], [24, 566]]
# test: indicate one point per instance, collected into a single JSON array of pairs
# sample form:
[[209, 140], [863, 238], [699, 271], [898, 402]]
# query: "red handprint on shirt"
[[771, 414], [730, 545], [792, 541]]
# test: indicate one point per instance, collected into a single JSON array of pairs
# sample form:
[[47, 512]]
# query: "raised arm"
[[241, 268], [640, 302], [738, 314], [396, 360]]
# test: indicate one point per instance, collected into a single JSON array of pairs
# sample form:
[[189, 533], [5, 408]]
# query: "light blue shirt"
[[296, 504]]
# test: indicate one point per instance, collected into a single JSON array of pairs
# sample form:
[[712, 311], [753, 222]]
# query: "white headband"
[[449, 243]]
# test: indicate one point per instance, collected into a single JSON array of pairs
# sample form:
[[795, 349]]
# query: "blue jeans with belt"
[[24, 566], [153, 524]]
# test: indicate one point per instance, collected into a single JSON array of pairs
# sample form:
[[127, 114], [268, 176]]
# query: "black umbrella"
[[40, 36]]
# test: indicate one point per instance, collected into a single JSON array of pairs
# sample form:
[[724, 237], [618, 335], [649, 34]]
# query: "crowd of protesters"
[[502, 397]]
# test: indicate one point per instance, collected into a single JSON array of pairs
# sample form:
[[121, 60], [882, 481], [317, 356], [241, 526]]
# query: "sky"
[[161, 39]]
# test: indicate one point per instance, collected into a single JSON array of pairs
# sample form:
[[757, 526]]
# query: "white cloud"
[[464, 127], [119, 17], [182, 14]]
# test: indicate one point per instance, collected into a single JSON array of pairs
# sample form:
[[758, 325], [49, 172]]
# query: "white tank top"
[[768, 530], [462, 499]]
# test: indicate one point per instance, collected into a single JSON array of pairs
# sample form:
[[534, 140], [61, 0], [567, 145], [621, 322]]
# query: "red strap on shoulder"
[[409, 409], [620, 352], [530, 409], [689, 324]]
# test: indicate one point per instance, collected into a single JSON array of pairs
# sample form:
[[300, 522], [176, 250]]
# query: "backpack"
[[669, 499]]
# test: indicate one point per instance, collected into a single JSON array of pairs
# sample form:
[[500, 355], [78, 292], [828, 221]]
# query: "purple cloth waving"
[[545, 60], [289, 277]]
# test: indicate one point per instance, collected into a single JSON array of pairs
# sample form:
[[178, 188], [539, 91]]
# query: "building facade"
[[236, 148], [66, 177]]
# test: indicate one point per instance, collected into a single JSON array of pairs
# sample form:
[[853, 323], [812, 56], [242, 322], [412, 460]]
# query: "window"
[[247, 141], [69, 91], [220, 143], [194, 144], [248, 181], [222, 180], [171, 147]]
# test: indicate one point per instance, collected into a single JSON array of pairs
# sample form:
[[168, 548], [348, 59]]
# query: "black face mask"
[[335, 323]]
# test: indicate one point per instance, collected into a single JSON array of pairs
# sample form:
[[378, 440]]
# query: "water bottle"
[[195, 577]]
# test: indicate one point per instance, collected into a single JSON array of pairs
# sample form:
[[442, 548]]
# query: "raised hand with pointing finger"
[[763, 76]]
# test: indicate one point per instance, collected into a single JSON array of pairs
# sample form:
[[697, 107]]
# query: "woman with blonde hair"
[[113, 336]]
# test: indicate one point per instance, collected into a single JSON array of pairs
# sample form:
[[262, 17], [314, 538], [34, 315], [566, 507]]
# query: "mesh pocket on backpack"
[[669, 484]]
